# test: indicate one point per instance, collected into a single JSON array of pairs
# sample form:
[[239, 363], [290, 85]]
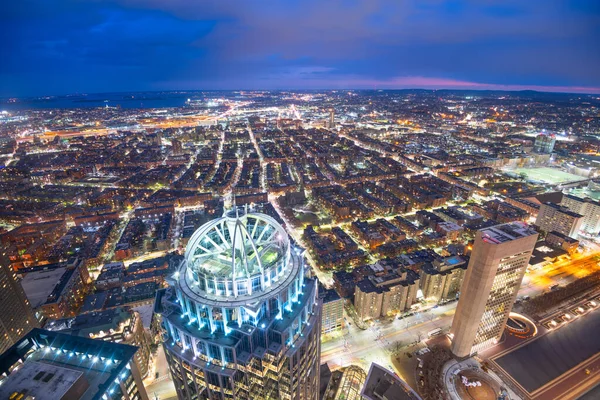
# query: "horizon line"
[[593, 91]]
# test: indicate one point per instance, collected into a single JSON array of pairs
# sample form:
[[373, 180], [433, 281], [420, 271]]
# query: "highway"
[[160, 387]]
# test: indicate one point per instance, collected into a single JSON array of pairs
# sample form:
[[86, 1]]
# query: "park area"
[[553, 176]]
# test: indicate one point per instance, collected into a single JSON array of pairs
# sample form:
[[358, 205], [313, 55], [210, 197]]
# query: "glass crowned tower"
[[241, 321]]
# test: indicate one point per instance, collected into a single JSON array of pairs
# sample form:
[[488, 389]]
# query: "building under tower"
[[498, 262], [241, 320]]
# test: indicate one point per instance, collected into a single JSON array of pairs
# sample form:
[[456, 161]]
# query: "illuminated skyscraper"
[[16, 316], [498, 262], [241, 320]]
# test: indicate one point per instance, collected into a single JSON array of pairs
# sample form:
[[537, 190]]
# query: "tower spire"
[[234, 205]]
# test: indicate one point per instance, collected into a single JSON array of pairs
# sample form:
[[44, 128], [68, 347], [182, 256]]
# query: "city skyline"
[[300, 200], [371, 227], [142, 45]]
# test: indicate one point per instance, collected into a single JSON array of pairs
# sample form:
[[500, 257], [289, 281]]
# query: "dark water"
[[125, 100]]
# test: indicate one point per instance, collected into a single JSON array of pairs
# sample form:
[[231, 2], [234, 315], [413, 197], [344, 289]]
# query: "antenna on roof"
[[234, 205]]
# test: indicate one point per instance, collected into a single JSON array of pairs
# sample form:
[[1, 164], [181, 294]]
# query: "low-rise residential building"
[[449, 230], [557, 239], [344, 283], [388, 289], [553, 217], [441, 280], [110, 276], [55, 292], [590, 209]]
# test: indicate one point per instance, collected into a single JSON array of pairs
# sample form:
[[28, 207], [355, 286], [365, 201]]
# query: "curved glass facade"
[[240, 319]]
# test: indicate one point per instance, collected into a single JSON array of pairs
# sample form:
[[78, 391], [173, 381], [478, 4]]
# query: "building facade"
[[16, 316], [442, 281], [590, 209], [350, 385], [332, 315], [55, 292], [385, 292], [496, 268], [241, 320], [554, 217]]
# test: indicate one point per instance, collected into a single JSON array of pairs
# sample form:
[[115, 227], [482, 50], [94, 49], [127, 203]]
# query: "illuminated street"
[[376, 344]]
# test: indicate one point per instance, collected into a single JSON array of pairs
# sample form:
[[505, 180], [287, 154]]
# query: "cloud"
[[93, 45], [315, 82]]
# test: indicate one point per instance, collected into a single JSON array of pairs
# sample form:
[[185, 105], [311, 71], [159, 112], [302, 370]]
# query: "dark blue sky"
[[67, 46]]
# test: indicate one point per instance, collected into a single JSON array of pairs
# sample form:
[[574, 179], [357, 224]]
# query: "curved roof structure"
[[239, 247]]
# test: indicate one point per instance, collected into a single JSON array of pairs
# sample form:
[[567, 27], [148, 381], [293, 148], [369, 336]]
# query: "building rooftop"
[[507, 232], [42, 381], [70, 358], [383, 384], [239, 245], [41, 285], [366, 286], [328, 295], [553, 354], [563, 210], [93, 322], [564, 237], [583, 199]]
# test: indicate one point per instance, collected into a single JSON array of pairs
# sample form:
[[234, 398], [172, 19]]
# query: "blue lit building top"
[[239, 306]]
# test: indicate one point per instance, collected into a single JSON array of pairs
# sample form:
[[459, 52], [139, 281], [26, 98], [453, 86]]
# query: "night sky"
[[67, 46]]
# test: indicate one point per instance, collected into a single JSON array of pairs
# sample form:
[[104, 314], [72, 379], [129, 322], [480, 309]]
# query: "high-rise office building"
[[498, 262], [16, 316], [544, 143], [241, 320], [554, 217]]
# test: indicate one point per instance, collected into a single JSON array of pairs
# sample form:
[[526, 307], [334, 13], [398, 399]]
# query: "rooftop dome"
[[236, 254]]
